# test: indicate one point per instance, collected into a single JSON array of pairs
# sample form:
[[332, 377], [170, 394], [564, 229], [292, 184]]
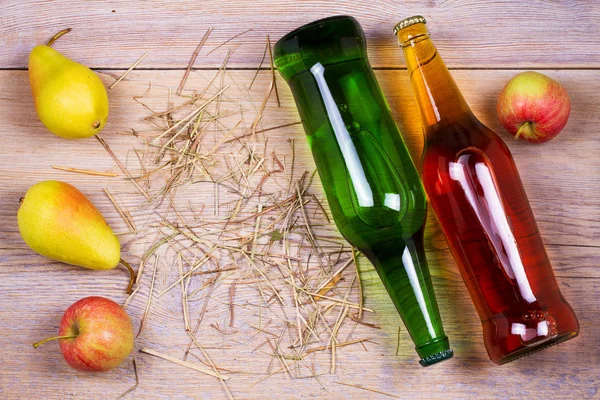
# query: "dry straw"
[[245, 244]]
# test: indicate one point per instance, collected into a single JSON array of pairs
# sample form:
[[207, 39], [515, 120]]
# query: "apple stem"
[[526, 126], [129, 289], [41, 342], [59, 34]]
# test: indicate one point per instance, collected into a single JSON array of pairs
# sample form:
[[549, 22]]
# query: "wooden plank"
[[561, 179], [469, 34], [564, 371]]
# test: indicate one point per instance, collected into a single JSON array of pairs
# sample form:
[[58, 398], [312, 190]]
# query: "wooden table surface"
[[483, 43]]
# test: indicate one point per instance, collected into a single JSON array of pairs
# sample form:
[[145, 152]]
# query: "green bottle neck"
[[405, 275]]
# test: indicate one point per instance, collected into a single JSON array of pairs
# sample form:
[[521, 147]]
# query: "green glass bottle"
[[370, 181]]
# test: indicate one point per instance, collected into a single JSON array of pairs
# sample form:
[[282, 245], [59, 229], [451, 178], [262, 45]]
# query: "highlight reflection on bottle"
[[476, 192], [372, 187]]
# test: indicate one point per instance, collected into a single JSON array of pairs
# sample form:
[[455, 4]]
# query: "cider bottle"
[[475, 190], [372, 187]]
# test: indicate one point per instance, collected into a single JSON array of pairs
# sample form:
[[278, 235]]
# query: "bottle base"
[[525, 351]]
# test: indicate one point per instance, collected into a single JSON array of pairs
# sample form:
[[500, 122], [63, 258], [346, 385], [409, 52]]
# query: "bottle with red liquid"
[[475, 190]]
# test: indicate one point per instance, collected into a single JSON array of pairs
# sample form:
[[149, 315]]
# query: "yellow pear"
[[57, 221], [70, 99]]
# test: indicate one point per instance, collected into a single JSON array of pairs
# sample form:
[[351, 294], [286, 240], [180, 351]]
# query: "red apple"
[[534, 107], [95, 334]]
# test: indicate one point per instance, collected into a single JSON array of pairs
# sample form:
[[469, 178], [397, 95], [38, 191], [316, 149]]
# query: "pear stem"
[[129, 289], [41, 342], [59, 34]]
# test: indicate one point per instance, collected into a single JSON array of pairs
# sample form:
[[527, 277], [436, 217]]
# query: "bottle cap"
[[437, 357], [435, 351], [416, 19]]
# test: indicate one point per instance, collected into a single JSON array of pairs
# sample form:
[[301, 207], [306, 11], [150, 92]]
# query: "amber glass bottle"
[[475, 190]]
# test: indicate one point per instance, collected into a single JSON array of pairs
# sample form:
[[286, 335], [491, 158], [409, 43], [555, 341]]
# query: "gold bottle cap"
[[416, 19]]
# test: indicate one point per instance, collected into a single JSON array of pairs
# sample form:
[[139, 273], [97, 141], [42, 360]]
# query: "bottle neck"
[[438, 97], [404, 272]]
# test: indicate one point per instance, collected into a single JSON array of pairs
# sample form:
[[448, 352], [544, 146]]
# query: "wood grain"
[[469, 34], [562, 179]]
